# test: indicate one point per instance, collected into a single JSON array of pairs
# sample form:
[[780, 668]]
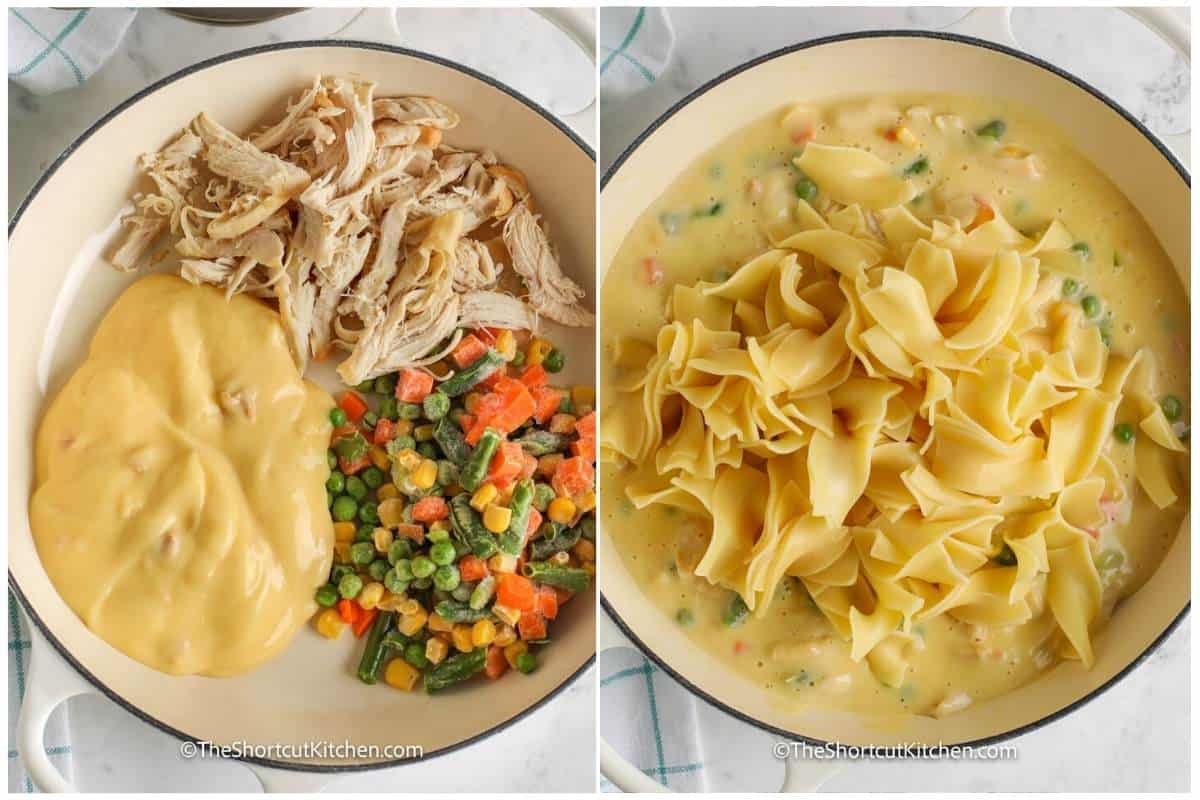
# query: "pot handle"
[[379, 24], [994, 23], [50, 682]]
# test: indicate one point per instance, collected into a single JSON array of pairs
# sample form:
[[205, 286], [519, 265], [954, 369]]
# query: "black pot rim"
[[886, 34], [54, 167]]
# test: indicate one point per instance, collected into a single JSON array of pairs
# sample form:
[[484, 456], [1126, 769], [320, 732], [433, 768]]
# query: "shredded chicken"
[[373, 235]]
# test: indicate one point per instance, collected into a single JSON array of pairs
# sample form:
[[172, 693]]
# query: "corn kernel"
[[483, 633], [409, 459], [411, 624], [538, 350], [439, 525], [586, 501], [584, 550], [561, 510], [341, 552], [387, 492], [409, 606], [548, 464], [505, 635], [471, 401], [502, 562], [425, 475], [505, 614], [461, 636], [439, 623], [329, 623], [401, 675], [404, 427], [496, 518], [370, 595], [436, 650], [512, 651], [583, 396], [423, 433], [383, 539], [391, 602], [506, 344], [379, 458], [483, 497], [344, 531], [906, 137], [391, 513]]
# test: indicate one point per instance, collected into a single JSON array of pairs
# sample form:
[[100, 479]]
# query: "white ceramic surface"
[[1104, 746], [552, 749]]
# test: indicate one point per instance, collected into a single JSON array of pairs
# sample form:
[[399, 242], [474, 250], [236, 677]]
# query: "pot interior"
[[59, 287]]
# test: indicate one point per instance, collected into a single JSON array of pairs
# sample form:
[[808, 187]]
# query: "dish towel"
[[58, 741], [635, 49], [675, 738], [50, 50]]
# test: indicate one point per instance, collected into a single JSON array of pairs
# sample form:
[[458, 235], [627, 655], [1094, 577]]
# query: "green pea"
[[685, 617], [414, 654], [337, 417], [994, 129], [519, 359], [368, 512], [1082, 250], [543, 493], [349, 586], [366, 386], [442, 553], [1106, 337], [345, 508], [338, 572], [362, 553], [331, 458], [525, 663], [400, 550], [355, 487], [806, 189], [394, 583], [421, 584], [1069, 287], [435, 405], [365, 533], [336, 483], [437, 536], [447, 577], [403, 569], [373, 477], [388, 409], [403, 443], [1090, 305], [1172, 407], [385, 385], [327, 595], [554, 361], [1123, 432], [377, 569], [917, 167], [409, 411], [423, 567], [1006, 557]]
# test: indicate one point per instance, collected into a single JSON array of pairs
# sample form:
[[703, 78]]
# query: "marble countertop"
[[554, 748], [1137, 737]]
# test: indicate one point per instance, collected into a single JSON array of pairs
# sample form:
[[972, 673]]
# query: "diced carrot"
[[515, 591], [529, 465], [472, 568], [410, 531], [496, 664], [385, 431], [506, 464], [353, 405], [585, 449], [652, 271], [547, 602], [573, 476], [430, 509], [351, 467], [535, 522], [342, 432], [363, 623], [414, 385], [348, 610], [532, 626], [468, 351], [546, 401], [494, 378], [535, 375], [467, 421], [505, 409], [585, 426], [562, 423]]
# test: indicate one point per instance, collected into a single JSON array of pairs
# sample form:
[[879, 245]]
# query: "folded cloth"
[[50, 49], [635, 48], [58, 740]]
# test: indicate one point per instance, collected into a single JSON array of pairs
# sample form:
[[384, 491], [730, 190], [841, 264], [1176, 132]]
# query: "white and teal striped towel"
[[50, 50], [58, 741], [635, 48]]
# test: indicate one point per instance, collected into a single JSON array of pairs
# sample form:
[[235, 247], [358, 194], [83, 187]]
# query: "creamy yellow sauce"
[[180, 507], [714, 217]]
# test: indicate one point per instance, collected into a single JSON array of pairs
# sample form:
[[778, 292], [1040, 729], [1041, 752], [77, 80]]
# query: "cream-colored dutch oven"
[[59, 287], [860, 64]]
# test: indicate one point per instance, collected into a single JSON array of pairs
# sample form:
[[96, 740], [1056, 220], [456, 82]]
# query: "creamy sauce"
[[714, 218], [180, 507]]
